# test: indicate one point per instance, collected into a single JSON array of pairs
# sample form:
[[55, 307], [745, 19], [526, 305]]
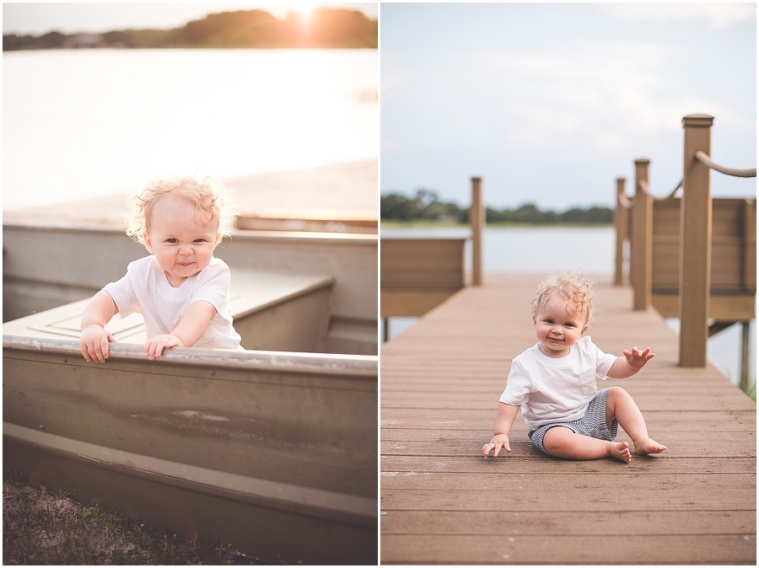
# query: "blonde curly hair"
[[207, 194], [573, 287]]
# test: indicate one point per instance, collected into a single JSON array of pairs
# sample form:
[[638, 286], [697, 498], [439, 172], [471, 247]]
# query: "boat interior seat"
[[273, 310]]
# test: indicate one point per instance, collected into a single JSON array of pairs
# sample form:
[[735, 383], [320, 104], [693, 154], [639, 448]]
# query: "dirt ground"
[[43, 528]]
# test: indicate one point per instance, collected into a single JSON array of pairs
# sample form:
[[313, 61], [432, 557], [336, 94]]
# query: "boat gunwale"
[[357, 366]]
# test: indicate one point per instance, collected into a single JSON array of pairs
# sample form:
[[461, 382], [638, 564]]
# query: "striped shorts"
[[593, 424]]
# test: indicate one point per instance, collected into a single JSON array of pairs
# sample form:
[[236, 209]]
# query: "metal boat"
[[272, 449]]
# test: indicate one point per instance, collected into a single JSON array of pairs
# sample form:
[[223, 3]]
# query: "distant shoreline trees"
[[327, 28], [425, 206]]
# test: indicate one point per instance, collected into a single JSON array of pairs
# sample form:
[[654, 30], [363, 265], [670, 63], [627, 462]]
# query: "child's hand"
[[94, 343], [636, 358], [499, 441], [155, 345]]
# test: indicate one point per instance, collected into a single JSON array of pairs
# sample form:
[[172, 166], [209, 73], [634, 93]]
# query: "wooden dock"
[[442, 503]]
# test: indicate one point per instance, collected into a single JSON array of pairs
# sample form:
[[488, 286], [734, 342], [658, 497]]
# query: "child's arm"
[[503, 422], [191, 327], [95, 339], [632, 362]]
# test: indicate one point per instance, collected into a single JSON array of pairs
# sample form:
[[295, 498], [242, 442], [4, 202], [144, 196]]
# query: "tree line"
[[328, 28], [426, 206]]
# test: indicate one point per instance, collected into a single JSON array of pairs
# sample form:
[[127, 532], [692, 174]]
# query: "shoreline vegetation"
[[426, 210], [421, 225], [326, 28]]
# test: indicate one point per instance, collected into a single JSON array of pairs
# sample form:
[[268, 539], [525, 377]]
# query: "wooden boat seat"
[[272, 310]]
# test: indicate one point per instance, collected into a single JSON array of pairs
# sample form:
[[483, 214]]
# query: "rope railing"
[[707, 161], [624, 201], [644, 186], [694, 261], [627, 202], [672, 193]]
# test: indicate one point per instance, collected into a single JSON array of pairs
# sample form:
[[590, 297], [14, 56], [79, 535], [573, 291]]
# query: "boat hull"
[[274, 453]]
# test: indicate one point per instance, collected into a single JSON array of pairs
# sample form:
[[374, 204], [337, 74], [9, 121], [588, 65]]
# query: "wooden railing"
[[692, 257], [418, 274]]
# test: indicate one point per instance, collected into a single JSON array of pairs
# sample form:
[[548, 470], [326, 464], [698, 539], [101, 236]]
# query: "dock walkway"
[[442, 503]]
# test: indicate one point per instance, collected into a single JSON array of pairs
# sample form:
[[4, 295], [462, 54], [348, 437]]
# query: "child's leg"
[[564, 443], [622, 407]]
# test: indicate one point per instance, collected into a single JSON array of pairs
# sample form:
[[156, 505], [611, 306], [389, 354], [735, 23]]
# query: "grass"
[[42, 528]]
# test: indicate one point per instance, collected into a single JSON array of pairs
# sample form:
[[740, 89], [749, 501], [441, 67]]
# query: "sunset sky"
[[41, 17]]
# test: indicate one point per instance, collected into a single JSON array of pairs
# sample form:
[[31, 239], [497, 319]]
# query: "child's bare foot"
[[620, 450], [644, 446]]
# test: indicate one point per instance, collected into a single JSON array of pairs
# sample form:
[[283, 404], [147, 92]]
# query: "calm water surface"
[[533, 249], [86, 123]]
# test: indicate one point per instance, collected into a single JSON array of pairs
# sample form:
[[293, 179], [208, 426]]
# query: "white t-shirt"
[[556, 389], [145, 289]]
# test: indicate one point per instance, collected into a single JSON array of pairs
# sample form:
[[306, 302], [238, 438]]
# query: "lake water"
[[87, 123], [533, 249], [547, 250]]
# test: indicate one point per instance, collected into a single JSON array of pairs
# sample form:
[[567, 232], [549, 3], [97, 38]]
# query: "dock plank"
[[563, 523], [400, 464], [442, 503], [596, 549]]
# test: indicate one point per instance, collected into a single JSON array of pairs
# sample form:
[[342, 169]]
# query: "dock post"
[[748, 280], [744, 356], [621, 219], [642, 245], [695, 242], [477, 222]]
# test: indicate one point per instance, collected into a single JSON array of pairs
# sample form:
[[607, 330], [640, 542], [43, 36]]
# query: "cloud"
[[717, 15], [553, 101]]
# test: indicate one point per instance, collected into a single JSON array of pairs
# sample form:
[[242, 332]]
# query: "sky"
[[550, 103], [41, 17]]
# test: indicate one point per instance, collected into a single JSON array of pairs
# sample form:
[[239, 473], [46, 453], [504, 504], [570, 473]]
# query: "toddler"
[[181, 290], [555, 383]]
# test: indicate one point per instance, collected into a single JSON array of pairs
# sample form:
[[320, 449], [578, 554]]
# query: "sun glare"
[[305, 10]]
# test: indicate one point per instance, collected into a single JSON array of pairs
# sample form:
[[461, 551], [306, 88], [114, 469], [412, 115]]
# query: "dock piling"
[[621, 226], [641, 270], [477, 222], [695, 242]]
